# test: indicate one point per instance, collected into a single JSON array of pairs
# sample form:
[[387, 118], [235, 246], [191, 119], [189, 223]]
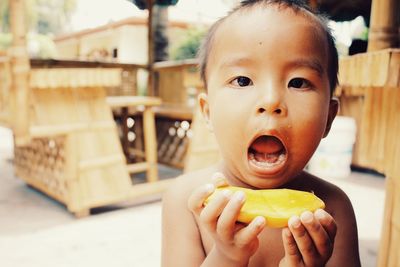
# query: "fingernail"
[[319, 214], [226, 193], [259, 221], [306, 217], [209, 188], [295, 221], [239, 196]]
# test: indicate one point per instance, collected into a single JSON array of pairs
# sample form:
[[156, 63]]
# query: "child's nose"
[[272, 103], [276, 111]]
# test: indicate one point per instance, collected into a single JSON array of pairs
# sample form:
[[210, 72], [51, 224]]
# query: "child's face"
[[268, 99]]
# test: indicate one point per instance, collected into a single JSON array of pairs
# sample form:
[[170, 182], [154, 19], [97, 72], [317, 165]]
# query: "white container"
[[6, 144], [332, 159]]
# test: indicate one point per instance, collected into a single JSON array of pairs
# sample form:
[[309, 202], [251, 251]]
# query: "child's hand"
[[309, 239], [234, 243]]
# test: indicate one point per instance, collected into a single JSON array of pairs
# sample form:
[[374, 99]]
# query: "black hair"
[[298, 6]]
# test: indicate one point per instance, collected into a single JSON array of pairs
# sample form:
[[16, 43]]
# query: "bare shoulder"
[[184, 185], [335, 198]]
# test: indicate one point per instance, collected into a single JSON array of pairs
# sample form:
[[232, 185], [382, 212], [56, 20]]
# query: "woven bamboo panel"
[[130, 132], [5, 84], [173, 138], [43, 160], [173, 127]]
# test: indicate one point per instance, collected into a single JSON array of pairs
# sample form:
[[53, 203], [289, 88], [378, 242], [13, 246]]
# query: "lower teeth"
[[265, 163]]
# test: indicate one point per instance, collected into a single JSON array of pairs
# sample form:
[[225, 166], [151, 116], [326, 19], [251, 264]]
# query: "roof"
[[114, 25]]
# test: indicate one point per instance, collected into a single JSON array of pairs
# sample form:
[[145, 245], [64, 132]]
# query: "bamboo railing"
[[370, 92]]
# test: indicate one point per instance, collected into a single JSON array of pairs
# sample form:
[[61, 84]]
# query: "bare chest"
[[270, 250]]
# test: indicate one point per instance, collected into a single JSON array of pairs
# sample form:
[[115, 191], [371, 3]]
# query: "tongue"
[[267, 145]]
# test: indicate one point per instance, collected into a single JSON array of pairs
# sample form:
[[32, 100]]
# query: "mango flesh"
[[275, 205]]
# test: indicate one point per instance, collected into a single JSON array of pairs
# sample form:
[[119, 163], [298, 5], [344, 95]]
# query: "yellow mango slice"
[[276, 205]]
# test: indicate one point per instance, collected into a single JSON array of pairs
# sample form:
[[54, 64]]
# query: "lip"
[[267, 170]]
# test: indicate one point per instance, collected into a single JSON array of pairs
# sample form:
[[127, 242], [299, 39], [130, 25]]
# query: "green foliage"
[[4, 16], [39, 45], [42, 16], [364, 35], [45, 46], [189, 46]]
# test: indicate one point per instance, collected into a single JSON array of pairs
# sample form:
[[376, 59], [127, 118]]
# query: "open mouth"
[[267, 152]]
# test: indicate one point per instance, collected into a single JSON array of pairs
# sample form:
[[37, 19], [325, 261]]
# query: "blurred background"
[[98, 115]]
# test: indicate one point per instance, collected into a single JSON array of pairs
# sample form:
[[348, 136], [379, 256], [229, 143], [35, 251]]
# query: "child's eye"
[[299, 83], [242, 81]]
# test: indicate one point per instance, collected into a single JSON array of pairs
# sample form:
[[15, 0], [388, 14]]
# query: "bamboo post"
[[384, 26], [150, 141], [150, 39], [20, 73]]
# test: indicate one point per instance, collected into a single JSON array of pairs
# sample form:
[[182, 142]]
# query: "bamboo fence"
[[370, 92]]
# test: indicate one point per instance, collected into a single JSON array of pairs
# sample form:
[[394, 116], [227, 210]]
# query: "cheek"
[[309, 122], [228, 119]]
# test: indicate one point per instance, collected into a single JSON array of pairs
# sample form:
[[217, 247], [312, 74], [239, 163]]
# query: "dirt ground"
[[37, 231]]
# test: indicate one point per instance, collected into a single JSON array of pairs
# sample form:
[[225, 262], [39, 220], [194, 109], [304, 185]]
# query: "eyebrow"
[[312, 64], [238, 61], [315, 65]]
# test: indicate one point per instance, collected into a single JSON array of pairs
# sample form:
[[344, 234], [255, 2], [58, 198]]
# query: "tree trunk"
[[160, 25], [157, 39]]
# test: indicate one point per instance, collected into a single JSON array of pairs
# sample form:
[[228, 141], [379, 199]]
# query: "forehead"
[[269, 31]]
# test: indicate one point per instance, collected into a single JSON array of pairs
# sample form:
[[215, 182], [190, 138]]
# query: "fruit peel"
[[275, 205]]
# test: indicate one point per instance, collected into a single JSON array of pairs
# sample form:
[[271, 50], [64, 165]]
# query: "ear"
[[333, 110], [205, 109]]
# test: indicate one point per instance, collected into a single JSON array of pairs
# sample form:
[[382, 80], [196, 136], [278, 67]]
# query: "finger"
[[210, 213], [303, 240], [227, 221], [197, 198], [327, 221], [219, 179], [249, 233], [292, 253], [317, 233]]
